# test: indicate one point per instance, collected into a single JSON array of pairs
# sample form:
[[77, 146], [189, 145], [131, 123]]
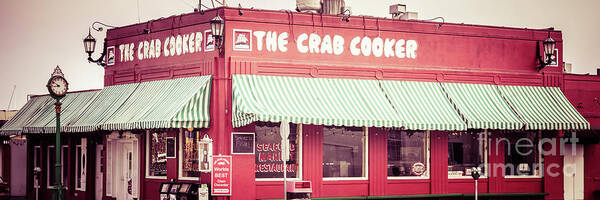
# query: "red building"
[[378, 108]]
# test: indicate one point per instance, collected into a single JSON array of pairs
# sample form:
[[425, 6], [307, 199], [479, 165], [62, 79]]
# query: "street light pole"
[[57, 173], [57, 87]]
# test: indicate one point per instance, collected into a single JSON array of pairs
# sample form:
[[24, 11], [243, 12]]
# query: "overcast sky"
[[35, 36]]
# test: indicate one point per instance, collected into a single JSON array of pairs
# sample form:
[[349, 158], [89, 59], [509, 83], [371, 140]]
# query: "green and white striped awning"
[[423, 105], [173, 103], [72, 105], [482, 106], [27, 114], [100, 109], [543, 108], [318, 101]]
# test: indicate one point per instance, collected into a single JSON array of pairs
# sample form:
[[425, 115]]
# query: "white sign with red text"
[[221, 176]]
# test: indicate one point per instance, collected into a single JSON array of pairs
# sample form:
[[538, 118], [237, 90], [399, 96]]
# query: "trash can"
[[298, 190]]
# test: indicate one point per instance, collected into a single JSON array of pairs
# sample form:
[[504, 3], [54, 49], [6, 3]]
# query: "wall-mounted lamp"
[[89, 44], [548, 45], [216, 27], [205, 156]]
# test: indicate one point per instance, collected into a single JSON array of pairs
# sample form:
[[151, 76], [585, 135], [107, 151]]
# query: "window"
[[466, 150], [189, 165], [78, 167], [65, 165], [81, 165], [344, 152], [157, 155], [522, 156], [408, 154], [37, 166], [50, 166], [268, 151], [37, 157]]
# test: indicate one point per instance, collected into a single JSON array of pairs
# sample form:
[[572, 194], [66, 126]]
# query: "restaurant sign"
[[324, 43], [169, 46], [221, 176]]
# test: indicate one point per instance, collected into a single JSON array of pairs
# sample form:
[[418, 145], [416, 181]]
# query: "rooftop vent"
[[308, 5], [333, 7], [398, 11], [568, 67]]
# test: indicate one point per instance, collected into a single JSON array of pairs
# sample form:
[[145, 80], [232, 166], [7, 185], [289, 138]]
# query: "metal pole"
[[57, 150], [284, 180], [475, 189]]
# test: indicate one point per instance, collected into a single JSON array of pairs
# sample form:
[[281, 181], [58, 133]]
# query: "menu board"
[[170, 147], [242, 143]]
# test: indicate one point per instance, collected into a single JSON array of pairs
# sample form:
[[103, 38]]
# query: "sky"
[[38, 35]]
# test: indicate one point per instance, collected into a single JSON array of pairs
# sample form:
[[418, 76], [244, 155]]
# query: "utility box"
[[298, 190]]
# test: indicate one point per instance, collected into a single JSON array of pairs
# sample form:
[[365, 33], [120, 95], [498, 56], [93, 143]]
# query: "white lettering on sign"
[[175, 45], [313, 43]]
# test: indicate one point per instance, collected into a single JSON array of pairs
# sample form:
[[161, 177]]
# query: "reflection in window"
[[407, 154], [268, 151], [465, 151], [522, 157], [190, 154], [157, 162], [344, 152]]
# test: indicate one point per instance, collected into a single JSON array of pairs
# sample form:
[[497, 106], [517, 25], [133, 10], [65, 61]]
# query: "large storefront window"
[[408, 154], [188, 168], [344, 152], [268, 151], [522, 155], [466, 150], [157, 154]]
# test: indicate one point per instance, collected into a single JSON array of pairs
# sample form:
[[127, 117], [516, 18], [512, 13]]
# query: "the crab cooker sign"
[[333, 44], [269, 41]]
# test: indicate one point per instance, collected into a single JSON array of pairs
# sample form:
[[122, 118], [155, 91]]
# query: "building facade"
[[378, 108]]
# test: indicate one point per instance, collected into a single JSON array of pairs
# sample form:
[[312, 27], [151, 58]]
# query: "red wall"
[[450, 53]]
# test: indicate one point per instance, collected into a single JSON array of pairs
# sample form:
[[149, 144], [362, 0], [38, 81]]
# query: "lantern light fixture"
[[217, 24], [549, 44], [89, 44]]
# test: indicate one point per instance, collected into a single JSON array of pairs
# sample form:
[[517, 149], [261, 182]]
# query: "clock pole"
[[57, 87], [58, 149]]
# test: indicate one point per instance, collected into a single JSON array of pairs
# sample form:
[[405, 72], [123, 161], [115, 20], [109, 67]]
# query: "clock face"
[[58, 86]]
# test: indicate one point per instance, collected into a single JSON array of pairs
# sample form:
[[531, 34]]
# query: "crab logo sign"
[[209, 45], [221, 176], [243, 40]]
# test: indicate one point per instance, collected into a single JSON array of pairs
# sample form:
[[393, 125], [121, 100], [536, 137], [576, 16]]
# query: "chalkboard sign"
[[242, 143], [170, 147]]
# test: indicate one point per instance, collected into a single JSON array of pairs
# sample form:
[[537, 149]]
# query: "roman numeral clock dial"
[[58, 86]]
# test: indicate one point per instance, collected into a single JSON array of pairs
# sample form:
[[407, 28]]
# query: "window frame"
[[48, 167], [78, 154], [64, 149], [365, 159], [147, 152], [486, 163], [428, 159], [180, 159], [299, 151], [540, 161]]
